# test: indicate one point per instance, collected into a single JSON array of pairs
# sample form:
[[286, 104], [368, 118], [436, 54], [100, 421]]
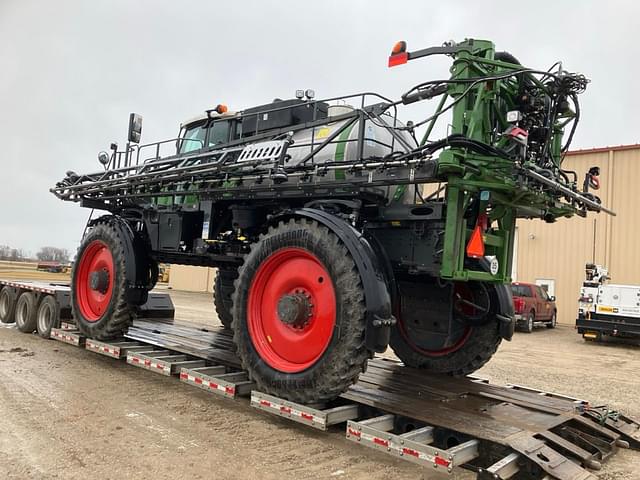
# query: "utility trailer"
[[440, 423]]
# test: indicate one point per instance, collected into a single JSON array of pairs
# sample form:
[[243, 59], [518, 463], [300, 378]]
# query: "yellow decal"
[[323, 132], [605, 309], [269, 338]]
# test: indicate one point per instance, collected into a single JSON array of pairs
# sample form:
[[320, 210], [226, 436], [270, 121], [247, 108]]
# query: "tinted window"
[[521, 290], [218, 133], [542, 293]]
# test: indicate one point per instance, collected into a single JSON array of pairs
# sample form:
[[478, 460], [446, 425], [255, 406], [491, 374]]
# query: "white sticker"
[[205, 230], [494, 266]]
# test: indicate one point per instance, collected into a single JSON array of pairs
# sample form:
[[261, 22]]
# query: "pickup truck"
[[531, 304]]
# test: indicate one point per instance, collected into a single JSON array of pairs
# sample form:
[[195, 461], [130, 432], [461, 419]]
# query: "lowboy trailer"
[[438, 422]]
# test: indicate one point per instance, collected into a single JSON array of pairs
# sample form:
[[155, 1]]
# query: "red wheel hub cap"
[[94, 281], [291, 310]]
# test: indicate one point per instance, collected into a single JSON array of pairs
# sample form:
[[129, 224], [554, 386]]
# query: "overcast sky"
[[72, 71]]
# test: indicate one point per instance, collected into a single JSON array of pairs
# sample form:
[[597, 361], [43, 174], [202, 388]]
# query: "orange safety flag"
[[475, 247]]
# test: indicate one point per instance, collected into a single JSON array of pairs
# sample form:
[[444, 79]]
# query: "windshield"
[[193, 138], [521, 290]]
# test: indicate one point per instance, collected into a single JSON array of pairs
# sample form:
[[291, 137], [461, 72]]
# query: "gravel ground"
[[66, 413]]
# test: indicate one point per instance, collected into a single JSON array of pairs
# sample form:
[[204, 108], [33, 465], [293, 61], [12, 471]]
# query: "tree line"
[[45, 254]]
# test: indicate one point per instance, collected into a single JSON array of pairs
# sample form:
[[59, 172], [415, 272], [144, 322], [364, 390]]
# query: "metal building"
[[555, 255]]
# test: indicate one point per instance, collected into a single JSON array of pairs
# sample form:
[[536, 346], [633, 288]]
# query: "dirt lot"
[[67, 413]]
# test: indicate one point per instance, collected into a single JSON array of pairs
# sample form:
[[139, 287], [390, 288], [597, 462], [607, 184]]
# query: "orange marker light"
[[221, 109], [399, 47]]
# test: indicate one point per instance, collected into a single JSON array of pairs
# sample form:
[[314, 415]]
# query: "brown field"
[[28, 271]]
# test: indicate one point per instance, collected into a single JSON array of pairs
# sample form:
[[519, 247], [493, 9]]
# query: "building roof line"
[[615, 148]]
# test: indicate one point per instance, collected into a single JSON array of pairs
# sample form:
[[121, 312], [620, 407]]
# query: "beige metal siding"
[[560, 251], [193, 279]]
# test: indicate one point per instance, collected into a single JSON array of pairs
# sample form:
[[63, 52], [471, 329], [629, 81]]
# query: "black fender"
[[139, 266], [376, 292], [504, 310]]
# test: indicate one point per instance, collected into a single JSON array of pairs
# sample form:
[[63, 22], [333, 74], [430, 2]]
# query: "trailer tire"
[[102, 313], [26, 311], [48, 316], [8, 298], [318, 346], [223, 289]]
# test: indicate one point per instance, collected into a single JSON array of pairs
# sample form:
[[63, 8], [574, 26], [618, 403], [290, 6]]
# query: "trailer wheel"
[[26, 311], [223, 295], [299, 314], [8, 299], [48, 316], [99, 286], [438, 333]]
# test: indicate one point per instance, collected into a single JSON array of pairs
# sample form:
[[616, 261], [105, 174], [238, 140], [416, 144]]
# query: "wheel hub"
[[295, 309], [99, 281]]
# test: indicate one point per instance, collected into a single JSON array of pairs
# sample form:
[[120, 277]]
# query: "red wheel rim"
[[93, 302], [287, 348], [442, 351]]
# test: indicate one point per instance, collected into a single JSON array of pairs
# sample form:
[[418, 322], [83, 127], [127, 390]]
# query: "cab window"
[[218, 133], [521, 290], [193, 138]]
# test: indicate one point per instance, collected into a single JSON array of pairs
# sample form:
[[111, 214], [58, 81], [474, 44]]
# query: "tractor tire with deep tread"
[[118, 315], [48, 316], [8, 299], [345, 355], [26, 312], [482, 343], [223, 288]]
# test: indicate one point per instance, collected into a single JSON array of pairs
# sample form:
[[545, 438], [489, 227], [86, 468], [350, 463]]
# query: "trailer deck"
[[499, 432]]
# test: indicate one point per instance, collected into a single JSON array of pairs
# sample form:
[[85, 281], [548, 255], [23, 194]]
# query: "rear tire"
[[102, 312], [299, 314], [223, 289], [48, 316], [26, 311], [8, 298], [471, 349], [528, 323]]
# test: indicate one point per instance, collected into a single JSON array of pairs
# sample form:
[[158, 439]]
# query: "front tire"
[[99, 287], [299, 314], [553, 322]]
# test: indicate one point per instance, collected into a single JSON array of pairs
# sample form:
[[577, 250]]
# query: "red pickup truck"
[[532, 304]]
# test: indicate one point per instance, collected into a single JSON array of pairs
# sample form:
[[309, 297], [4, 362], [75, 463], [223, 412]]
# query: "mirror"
[[552, 298], [103, 158], [135, 128]]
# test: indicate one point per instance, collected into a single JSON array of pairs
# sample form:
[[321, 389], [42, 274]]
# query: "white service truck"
[[607, 309]]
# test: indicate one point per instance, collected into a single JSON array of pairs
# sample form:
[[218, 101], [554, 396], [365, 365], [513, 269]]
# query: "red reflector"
[[410, 451], [265, 403], [184, 375], [285, 409], [198, 380], [475, 247], [380, 441], [306, 416], [398, 59], [213, 385], [355, 433], [441, 461]]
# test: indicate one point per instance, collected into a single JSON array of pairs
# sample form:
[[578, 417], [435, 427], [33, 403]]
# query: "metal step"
[[413, 446], [72, 337], [217, 380], [318, 418], [115, 348], [164, 362]]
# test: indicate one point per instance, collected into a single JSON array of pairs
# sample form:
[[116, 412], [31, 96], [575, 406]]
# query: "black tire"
[[48, 316], [527, 327], [345, 356], [26, 311], [481, 343], [8, 299], [554, 321], [116, 318], [223, 289]]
